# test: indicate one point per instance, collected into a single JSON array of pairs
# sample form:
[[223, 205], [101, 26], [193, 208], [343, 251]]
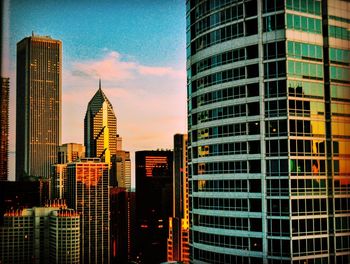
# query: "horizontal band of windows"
[[307, 128], [313, 226], [340, 56], [250, 109], [247, 147], [245, 53], [306, 24], [212, 254], [215, 203], [305, 51], [224, 34], [249, 71], [339, 32], [247, 128], [305, 167], [307, 6], [303, 206], [252, 224], [242, 91], [221, 17], [251, 166], [251, 185], [306, 70], [306, 89], [206, 7]]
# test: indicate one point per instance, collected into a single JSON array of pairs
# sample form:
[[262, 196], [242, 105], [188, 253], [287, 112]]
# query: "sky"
[[136, 47]]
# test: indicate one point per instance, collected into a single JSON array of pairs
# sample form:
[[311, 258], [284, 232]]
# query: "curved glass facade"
[[268, 120]]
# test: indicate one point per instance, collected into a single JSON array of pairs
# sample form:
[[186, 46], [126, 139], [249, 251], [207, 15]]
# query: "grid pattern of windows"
[[298, 131]]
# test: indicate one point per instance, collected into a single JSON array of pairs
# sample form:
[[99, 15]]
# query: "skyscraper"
[[4, 127], [178, 239], [100, 128], [87, 191], [38, 109], [154, 173], [269, 125]]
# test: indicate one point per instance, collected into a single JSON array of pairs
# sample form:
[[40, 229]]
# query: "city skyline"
[[141, 65]]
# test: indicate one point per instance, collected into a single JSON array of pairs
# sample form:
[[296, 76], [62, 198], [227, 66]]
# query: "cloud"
[[115, 67]]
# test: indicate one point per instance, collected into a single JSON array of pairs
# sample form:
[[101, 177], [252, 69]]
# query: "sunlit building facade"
[[67, 153], [4, 127], [100, 128], [49, 234], [70, 152], [87, 192], [269, 125], [38, 107], [178, 238], [123, 169]]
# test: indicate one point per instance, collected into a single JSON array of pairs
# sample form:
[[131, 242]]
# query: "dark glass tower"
[[4, 127], [38, 109], [269, 125], [154, 174]]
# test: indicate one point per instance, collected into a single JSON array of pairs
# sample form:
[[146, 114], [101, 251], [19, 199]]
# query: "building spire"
[[99, 83]]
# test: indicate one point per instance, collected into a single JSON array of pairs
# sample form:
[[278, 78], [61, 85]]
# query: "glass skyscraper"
[[269, 131], [38, 105]]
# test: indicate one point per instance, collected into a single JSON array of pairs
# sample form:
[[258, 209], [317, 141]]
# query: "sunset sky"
[[136, 47]]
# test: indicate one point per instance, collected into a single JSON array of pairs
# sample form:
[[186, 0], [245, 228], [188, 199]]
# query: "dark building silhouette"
[[123, 225], [4, 127], [154, 174], [178, 239], [38, 108], [19, 195]]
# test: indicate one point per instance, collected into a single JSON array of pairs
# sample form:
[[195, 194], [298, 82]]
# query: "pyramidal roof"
[[97, 100]]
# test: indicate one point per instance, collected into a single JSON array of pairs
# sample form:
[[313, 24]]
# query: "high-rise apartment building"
[[38, 109], [269, 125], [100, 128], [87, 192], [49, 234], [4, 127], [178, 239], [154, 174]]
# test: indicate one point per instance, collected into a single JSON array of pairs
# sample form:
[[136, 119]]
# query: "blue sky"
[[137, 47]]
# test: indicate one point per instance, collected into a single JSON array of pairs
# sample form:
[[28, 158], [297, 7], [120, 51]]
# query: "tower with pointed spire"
[[100, 127]]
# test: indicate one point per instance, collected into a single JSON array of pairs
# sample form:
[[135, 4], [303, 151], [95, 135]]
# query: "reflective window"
[[306, 24]]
